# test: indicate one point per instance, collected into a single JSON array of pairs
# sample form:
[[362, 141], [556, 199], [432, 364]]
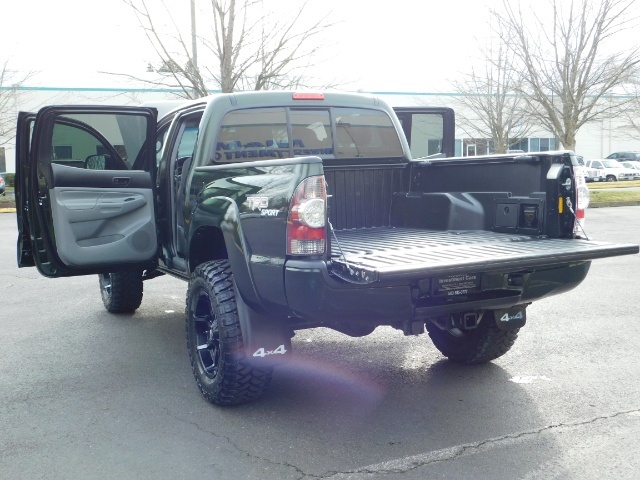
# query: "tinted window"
[[253, 134], [188, 141], [311, 133], [262, 134], [98, 141], [72, 145], [365, 133], [161, 140]]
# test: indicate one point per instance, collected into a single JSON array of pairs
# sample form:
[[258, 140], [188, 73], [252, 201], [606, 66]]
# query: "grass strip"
[[615, 196], [620, 184]]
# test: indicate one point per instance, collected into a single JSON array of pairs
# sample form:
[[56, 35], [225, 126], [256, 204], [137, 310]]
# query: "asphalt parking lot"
[[85, 394]]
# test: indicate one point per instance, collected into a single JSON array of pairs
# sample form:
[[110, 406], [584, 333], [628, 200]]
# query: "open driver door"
[[85, 189]]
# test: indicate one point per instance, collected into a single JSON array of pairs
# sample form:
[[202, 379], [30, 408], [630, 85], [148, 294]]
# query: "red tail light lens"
[[582, 202], [308, 96], [306, 225]]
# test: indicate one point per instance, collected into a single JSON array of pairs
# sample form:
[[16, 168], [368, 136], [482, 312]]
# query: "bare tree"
[[492, 100], [566, 72], [628, 123], [246, 47], [10, 82]]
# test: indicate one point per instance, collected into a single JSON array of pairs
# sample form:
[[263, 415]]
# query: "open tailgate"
[[383, 254]]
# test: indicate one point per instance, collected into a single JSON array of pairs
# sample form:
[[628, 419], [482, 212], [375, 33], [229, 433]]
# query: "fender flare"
[[222, 213], [266, 337]]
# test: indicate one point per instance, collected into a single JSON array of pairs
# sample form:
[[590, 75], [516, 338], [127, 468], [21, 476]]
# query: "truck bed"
[[369, 255]]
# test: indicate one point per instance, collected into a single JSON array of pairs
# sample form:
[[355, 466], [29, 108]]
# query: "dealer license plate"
[[453, 285]]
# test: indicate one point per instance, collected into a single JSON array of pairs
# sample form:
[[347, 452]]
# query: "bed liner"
[[370, 255]]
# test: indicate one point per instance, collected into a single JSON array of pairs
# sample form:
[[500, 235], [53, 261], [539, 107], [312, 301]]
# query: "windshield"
[[612, 164]]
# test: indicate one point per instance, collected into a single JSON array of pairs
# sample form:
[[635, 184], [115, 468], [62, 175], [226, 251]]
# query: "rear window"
[[311, 133], [253, 134], [275, 133]]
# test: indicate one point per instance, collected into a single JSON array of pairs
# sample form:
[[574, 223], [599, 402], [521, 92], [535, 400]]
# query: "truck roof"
[[274, 98]]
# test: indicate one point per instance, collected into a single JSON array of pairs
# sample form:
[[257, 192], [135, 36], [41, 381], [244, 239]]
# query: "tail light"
[[306, 225], [582, 202]]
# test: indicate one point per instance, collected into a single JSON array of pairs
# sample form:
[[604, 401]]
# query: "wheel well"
[[207, 244]]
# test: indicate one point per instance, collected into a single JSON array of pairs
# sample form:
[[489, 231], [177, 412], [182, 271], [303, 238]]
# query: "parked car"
[[629, 155], [635, 164], [590, 174], [3, 184], [613, 170]]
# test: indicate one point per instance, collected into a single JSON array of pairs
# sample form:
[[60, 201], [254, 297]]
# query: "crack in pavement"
[[404, 465], [243, 451], [407, 464]]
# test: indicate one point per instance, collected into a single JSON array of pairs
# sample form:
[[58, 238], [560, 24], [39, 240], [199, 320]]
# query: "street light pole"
[[194, 48]]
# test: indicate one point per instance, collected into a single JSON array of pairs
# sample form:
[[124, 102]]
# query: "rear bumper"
[[318, 297], [315, 295]]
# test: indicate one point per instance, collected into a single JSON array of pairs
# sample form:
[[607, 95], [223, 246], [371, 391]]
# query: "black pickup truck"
[[287, 211]]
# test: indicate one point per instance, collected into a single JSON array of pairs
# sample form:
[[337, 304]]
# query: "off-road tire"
[[479, 345], [214, 339], [121, 291]]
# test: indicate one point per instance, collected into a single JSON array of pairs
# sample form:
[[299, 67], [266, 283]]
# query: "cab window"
[[328, 133], [98, 141], [184, 146], [311, 133], [252, 134]]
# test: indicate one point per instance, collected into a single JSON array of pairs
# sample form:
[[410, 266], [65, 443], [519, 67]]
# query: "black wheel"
[[611, 178], [482, 344], [214, 339], [122, 291]]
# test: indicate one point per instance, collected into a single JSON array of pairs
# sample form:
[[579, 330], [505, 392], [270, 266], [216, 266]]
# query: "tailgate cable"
[[570, 207], [333, 232]]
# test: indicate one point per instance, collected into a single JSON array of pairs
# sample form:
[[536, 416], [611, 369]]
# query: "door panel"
[[112, 226], [92, 185]]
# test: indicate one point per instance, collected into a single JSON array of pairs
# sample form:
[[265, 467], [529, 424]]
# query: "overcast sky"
[[409, 45]]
